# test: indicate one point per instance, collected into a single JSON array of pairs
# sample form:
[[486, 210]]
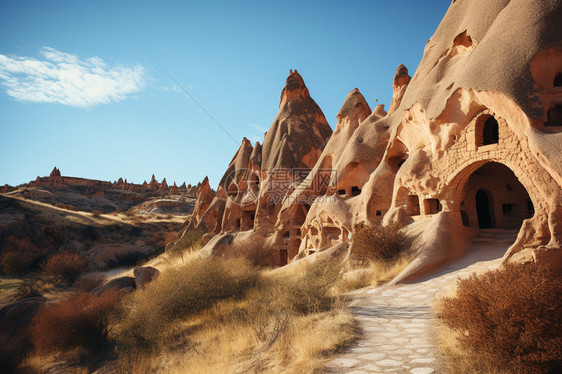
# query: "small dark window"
[[507, 208], [379, 213], [341, 192], [286, 234], [554, 116], [298, 232], [490, 132], [238, 222], [558, 80], [401, 162], [355, 191], [252, 216], [509, 188]]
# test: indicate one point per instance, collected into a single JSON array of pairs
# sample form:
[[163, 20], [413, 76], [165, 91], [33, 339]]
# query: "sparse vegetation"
[[505, 321], [64, 268]]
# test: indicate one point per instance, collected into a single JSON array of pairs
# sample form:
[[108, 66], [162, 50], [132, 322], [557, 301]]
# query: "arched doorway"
[[484, 210], [493, 197]]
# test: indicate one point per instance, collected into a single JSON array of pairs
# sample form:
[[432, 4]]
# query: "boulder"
[[144, 275]]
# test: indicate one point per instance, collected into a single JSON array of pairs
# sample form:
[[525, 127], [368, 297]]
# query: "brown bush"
[[65, 268], [96, 213], [79, 322], [14, 263], [510, 319], [378, 243]]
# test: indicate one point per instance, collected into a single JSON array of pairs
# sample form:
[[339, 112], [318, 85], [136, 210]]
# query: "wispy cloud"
[[66, 79], [258, 128]]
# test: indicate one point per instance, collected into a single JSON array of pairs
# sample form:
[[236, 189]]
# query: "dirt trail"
[[398, 322]]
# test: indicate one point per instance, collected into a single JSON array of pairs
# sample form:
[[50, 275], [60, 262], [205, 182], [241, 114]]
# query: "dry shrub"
[[378, 243], [510, 319], [96, 213], [79, 322], [189, 241], [182, 292], [14, 263], [65, 267], [256, 250], [29, 288], [310, 291]]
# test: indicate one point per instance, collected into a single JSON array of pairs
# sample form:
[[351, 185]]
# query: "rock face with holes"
[[470, 142], [251, 192]]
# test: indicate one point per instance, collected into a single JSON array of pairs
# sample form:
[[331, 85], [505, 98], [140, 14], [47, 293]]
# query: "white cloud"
[[66, 79], [258, 128]]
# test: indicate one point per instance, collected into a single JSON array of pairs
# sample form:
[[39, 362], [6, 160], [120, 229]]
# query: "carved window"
[[490, 132]]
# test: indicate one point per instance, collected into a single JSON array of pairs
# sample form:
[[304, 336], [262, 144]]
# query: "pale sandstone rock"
[[471, 141]]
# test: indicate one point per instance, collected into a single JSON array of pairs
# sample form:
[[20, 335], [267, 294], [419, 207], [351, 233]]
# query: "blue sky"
[[80, 90]]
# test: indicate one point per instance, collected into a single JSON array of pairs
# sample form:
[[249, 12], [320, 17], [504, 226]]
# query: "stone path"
[[398, 323]]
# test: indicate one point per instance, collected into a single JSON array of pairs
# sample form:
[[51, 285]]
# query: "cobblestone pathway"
[[398, 323]]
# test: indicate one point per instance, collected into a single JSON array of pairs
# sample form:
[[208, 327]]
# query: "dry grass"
[[256, 321], [374, 273], [458, 361]]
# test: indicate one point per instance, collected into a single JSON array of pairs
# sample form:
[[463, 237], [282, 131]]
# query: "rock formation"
[[471, 141], [260, 177]]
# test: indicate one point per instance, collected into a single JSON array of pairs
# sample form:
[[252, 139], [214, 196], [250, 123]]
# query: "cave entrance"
[[484, 209], [495, 199]]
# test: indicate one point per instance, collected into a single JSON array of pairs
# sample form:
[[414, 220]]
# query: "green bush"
[[378, 243], [510, 319]]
